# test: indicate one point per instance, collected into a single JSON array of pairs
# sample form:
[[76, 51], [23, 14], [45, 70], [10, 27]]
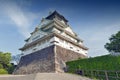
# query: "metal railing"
[[100, 74]]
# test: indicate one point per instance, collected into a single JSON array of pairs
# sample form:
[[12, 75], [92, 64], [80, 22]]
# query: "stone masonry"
[[50, 59]]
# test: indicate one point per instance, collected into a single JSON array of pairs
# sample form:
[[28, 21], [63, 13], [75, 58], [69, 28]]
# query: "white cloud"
[[96, 38], [19, 17]]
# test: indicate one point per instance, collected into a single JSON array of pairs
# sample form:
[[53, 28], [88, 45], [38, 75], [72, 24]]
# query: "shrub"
[[3, 71], [1, 66], [106, 62]]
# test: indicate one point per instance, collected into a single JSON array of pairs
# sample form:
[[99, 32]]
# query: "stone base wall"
[[40, 61], [63, 55], [50, 59]]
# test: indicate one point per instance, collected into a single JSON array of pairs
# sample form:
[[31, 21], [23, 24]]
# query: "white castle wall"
[[37, 47], [61, 43], [69, 46]]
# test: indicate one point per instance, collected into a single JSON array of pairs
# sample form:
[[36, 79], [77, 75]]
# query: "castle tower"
[[50, 45]]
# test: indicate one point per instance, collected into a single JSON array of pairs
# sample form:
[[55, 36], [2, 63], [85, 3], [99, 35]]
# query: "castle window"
[[54, 42], [34, 49], [71, 47]]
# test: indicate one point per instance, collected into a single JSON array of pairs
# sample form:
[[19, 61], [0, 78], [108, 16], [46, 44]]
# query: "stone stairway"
[[44, 76]]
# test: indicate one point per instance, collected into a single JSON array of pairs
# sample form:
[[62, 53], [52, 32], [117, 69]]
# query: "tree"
[[5, 59], [114, 44], [5, 65]]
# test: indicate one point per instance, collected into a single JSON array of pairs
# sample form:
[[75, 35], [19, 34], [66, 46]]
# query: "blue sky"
[[93, 20]]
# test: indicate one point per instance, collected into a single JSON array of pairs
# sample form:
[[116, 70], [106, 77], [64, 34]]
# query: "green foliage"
[[5, 65], [11, 68], [101, 64], [3, 71], [5, 59], [106, 62], [1, 66], [114, 45]]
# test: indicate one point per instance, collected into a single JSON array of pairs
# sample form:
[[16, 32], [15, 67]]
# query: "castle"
[[50, 45]]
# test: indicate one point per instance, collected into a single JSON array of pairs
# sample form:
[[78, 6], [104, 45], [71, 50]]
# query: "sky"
[[93, 20]]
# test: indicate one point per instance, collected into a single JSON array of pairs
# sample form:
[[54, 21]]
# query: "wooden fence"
[[100, 74]]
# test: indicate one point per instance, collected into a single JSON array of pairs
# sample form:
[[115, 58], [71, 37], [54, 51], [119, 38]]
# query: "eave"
[[60, 26], [52, 35]]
